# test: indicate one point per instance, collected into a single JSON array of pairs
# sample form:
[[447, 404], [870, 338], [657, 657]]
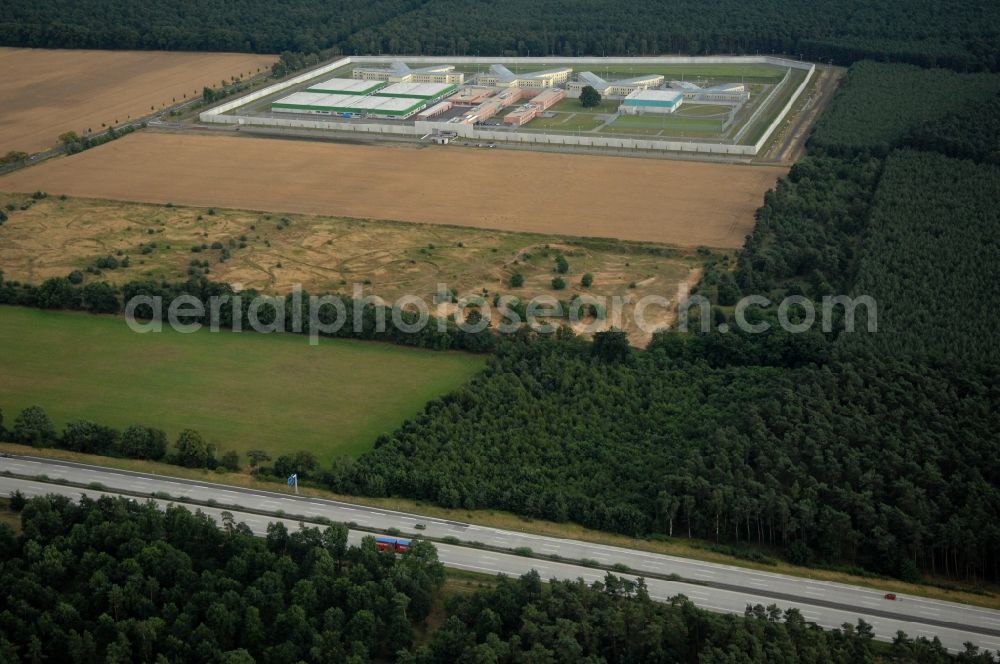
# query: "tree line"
[[957, 35], [32, 426], [113, 580], [102, 297]]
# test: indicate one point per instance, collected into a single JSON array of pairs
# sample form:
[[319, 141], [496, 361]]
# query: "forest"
[[113, 580], [879, 104], [958, 35], [873, 450], [520, 620]]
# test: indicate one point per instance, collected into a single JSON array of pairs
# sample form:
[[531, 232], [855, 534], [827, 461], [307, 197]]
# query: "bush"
[[558, 283], [562, 265], [516, 280], [33, 427], [75, 277], [230, 461], [587, 280], [139, 442], [89, 438], [192, 450]]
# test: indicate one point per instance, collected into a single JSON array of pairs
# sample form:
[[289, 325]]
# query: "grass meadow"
[[241, 391]]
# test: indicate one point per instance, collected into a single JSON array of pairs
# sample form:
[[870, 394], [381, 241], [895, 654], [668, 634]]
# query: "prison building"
[[729, 93], [547, 99], [429, 92], [471, 96], [436, 109], [318, 103], [500, 77], [620, 88], [651, 101], [522, 115], [346, 86], [399, 72]]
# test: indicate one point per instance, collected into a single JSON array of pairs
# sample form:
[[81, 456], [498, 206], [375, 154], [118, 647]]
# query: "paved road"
[[717, 587]]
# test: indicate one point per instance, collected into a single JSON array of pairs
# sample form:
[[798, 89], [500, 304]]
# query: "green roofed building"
[[651, 101], [318, 103], [346, 86], [425, 91]]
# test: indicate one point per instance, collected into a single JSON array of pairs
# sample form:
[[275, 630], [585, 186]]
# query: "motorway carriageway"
[[711, 586]]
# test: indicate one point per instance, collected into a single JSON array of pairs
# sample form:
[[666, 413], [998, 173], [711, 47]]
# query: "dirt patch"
[[272, 252], [49, 92], [676, 202]]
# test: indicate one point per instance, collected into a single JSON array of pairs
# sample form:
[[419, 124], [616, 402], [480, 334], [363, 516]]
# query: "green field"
[[566, 122], [605, 107], [703, 110], [241, 391], [670, 125]]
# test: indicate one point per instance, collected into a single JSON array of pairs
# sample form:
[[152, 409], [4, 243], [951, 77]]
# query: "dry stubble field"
[[272, 252], [49, 92], [683, 203]]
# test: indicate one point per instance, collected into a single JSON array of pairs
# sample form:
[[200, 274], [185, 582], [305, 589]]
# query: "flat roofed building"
[[436, 109], [399, 72], [329, 104], [543, 101], [346, 86], [426, 91], [651, 101], [501, 77], [521, 115], [470, 96]]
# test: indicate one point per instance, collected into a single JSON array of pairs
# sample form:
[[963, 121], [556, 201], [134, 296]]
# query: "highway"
[[712, 586]]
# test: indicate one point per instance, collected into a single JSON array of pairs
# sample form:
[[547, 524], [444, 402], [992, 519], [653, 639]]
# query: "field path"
[[676, 202]]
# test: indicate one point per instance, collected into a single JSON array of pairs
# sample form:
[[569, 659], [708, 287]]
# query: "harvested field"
[[684, 203], [49, 92], [269, 252]]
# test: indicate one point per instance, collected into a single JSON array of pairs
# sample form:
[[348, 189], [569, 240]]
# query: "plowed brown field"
[[48, 92], [675, 202]]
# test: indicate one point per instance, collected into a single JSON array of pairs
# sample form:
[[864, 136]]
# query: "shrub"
[[558, 283], [33, 427]]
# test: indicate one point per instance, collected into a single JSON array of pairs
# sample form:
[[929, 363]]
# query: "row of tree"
[[958, 35], [32, 426], [368, 320]]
